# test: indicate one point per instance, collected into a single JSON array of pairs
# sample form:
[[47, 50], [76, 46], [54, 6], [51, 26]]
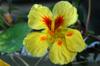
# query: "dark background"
[[95, 11], [95, 15]]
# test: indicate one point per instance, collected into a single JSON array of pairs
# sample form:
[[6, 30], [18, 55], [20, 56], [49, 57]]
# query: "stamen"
[[51, 32]]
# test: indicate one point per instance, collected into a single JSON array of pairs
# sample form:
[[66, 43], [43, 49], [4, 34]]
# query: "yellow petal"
[[65, 13], [2, 63], [74, 40], [36, 44], [59, 54], [39, 17]]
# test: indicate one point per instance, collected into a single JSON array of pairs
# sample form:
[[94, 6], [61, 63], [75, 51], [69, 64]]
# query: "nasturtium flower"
[[61, 43]]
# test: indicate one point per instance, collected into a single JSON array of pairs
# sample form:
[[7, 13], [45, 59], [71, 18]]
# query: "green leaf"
[[11, 40], [2, 22], [1, 19], [2, 11]]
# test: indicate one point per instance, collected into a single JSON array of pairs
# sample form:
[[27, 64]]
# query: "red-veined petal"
[[59, 54], [74, 40], [39, 17]]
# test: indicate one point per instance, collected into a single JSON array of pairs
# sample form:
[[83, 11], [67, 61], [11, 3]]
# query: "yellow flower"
[[2, 63], [63, 42]]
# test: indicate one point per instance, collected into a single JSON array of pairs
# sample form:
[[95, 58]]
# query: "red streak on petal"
[[43, 38], [47, 21], [59, 21], [69, 33]]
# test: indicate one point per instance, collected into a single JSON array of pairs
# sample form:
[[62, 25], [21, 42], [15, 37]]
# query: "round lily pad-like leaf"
[[11, 39]]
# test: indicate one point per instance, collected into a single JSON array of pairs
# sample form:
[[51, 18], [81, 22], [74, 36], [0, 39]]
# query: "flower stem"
[[88, 15], [79, 62], [36, 64], [12, 58], [95, 37], [25, 63]]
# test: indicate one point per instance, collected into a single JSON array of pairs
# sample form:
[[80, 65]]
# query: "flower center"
[[53, 26], [51, 32], [58, 22]]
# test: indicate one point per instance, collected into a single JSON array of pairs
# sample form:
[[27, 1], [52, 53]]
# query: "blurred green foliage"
[[11, 39], [2, 19]]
